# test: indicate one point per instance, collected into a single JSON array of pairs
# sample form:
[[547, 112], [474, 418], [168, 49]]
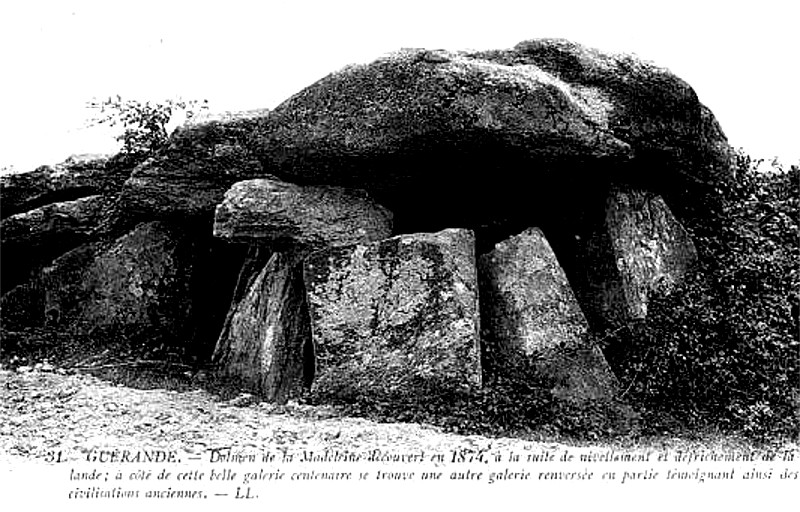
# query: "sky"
[[56, 56]]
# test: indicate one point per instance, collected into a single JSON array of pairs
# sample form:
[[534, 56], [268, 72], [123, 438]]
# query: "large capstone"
[[535, 331], [408, 128], [454, 139], [396, 317]]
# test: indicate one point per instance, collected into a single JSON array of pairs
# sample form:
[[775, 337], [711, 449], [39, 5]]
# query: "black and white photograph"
[[393, 256]]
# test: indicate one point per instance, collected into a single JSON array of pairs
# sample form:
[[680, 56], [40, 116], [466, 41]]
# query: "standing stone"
[[535, 330], [141, 280], [267, 329], [396, 317], [254, 261], [262, 343], [265, 210], [653, 249], [641, 247]]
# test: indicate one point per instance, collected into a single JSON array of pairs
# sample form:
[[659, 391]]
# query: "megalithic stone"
[[641, 247], [261, 346], [535, 331], [139, 281], [397, 317], [262, 343], [282, 214]]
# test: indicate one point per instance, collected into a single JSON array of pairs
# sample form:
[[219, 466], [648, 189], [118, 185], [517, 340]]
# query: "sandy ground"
[[43, 411]]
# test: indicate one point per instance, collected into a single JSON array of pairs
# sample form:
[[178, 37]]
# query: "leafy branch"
[[144, 123]]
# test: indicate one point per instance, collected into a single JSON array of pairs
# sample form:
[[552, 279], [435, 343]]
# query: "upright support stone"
[[397, 317], [261, 347], [254, 262], [640, 248], [262, 343], [653, 249], [535, 331], [139, 282]]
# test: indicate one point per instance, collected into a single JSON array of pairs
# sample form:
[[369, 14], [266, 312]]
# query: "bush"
[[144, 123], [723, 348]]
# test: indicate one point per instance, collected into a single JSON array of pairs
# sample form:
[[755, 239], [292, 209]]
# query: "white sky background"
[[55, 56]]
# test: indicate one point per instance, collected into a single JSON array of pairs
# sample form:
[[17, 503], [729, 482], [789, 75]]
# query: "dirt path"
[[42, 411]]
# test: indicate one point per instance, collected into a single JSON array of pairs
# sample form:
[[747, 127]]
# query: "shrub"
[[144, 123]]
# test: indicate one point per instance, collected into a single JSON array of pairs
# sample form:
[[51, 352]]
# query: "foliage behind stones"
[[723, 348], [144, 122]]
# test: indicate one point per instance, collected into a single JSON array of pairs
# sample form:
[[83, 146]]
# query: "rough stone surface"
[[67, 181], [397, 317], [25, 305], [34, 238], [138, 280], [284, 214], [408, 127], [255, 260], [414, 123], [261, 346], [535, 331], [78, 217], [188, 178], [640, 247], [22, 307]]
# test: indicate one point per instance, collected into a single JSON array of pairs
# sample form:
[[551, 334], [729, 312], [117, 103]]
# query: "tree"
[[144, 123]]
